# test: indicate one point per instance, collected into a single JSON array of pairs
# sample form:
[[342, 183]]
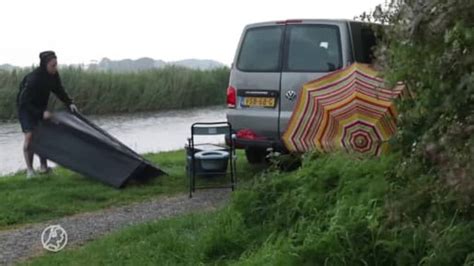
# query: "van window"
[[313, 48], [260, 51], [364, 41]]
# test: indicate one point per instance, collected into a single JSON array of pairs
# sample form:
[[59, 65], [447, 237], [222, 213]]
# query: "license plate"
[[268, 102]]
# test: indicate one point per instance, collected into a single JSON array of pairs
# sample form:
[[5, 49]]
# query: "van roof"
[[299, 21]]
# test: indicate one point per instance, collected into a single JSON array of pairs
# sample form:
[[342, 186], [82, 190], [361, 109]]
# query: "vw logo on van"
[[290, 95]]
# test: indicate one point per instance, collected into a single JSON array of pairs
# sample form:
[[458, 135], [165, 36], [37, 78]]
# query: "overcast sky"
[[84, 30]]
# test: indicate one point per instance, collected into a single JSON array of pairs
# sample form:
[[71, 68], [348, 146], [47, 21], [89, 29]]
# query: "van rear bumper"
[[277, 145]]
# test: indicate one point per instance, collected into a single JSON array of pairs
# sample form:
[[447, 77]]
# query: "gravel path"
[[23, 243]]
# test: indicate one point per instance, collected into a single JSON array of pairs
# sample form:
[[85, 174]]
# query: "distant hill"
[[198, 63], [7, 67], [129, 65]]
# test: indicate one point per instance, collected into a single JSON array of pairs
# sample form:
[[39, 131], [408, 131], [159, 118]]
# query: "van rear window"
[[313, 48], [261, 50]]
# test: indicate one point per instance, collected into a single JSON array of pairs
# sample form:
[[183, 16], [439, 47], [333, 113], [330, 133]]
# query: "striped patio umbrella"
[[349, 109]]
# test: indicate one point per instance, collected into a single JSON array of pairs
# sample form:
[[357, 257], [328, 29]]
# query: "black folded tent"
[[71, 140]]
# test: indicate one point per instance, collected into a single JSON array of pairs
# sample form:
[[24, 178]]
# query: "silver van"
[[273, 61]]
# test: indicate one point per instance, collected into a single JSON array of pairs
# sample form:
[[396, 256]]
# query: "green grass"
[[334, 210], [97, 92], [65, 193], [167, 242]]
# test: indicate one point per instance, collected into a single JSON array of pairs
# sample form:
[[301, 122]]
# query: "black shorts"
[[28, 121]]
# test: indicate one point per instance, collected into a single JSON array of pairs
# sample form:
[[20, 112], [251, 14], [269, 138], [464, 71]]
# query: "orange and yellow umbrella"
[[349, 109]]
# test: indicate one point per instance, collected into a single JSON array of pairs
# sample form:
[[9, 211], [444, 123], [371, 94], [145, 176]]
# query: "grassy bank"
[[105, 92], [65, 193], [335, 210]]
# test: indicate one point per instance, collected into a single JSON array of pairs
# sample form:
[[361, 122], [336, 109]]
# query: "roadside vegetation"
[[98, 92]]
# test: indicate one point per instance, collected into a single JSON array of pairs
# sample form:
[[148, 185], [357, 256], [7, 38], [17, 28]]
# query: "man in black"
[[32, 101]]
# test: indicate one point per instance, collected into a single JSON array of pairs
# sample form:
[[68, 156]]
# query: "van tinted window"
[[260, 49], [313, 48], [364, 41]]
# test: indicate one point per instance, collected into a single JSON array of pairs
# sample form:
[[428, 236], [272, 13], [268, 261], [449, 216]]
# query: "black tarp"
[[71, 140]]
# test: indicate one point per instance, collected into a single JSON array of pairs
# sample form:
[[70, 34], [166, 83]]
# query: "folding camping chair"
[[209, 160]]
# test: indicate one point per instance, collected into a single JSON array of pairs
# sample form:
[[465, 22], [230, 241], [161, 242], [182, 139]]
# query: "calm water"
[[144, 132]]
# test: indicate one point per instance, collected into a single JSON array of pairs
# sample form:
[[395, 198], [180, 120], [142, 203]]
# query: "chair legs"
[[232, 173], [190, 176]]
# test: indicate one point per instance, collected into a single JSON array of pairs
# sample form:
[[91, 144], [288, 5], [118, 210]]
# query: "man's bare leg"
[[28, 154]]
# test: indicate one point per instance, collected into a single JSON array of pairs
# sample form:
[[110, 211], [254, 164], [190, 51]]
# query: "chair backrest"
[[215, 128]]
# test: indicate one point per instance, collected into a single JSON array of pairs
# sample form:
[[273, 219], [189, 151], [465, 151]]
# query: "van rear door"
[[312, 49], [256, 76]]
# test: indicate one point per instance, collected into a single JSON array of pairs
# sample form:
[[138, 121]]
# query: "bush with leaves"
[[428, 44]]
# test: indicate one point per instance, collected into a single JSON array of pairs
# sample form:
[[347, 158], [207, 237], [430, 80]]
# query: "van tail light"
[[248, 134], [231, 97]]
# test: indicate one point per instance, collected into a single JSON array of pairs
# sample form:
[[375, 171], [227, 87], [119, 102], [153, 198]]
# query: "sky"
[[84, 30]]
